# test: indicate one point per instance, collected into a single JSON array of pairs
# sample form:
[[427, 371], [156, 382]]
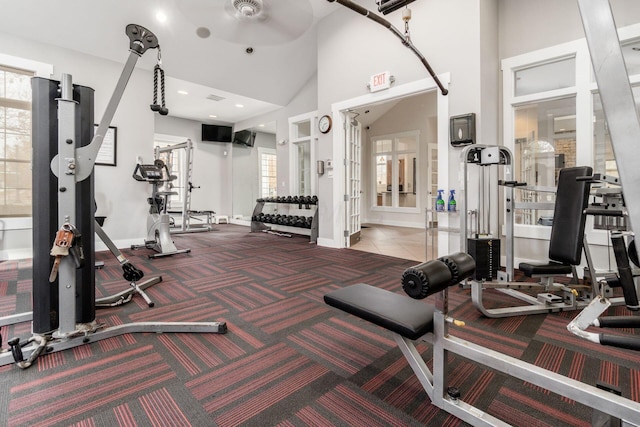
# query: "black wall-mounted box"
[[462, 129]]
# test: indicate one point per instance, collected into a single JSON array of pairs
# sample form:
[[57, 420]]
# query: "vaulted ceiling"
[[209, 49]]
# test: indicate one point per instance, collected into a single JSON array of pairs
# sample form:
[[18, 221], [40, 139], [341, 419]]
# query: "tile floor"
[[401, 242]]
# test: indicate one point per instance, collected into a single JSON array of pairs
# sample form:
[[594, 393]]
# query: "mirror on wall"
[[253, 167]]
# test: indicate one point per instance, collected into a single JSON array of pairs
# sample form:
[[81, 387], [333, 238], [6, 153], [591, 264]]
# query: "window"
[[604, 161], [268, 176], [549, 76], [545, 95], [303, 137], [545, 142], [15, 142], [394, 164], [552, 110]]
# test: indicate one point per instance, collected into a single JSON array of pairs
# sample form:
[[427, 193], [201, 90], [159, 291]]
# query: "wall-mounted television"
[[217, 133], [244, 137]]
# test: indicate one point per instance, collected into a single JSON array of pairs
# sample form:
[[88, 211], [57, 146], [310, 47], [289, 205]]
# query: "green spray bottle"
[[452, 201], [440, 202]]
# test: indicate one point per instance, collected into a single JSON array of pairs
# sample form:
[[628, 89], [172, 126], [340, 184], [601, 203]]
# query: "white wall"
[[531, 25], [303, 102]]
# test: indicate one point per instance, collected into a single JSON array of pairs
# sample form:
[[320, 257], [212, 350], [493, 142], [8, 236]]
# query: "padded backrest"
[[567, 231]]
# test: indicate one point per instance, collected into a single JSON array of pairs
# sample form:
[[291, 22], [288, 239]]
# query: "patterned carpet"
[[288, 359]]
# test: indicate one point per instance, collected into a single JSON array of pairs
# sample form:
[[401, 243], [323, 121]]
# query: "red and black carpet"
[[287, 359]]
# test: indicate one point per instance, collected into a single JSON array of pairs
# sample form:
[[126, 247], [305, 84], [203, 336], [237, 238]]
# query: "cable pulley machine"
[[64, 309]]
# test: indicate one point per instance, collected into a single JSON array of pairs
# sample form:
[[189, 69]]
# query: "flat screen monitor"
[[244, 137], [217, 133]]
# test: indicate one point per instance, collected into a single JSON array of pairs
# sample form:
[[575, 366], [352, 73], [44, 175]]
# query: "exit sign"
[[380, 81]]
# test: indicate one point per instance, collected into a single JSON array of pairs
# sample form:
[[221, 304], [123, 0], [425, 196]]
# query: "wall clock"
[[324, 124]]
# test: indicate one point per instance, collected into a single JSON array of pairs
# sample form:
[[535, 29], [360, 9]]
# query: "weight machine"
[[64, 308], [167, 154], [566, 246]]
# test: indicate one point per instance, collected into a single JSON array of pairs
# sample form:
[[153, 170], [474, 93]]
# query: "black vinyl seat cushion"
[[400, 314], [550, 269]]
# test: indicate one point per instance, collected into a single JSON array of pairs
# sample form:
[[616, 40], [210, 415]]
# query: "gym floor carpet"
[[288, 359]]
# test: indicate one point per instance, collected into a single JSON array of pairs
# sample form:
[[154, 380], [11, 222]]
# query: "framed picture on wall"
[[107, 154]]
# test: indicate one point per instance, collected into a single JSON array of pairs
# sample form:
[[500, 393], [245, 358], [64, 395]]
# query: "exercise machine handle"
[[630, 343], [511, 183], [619, 322]]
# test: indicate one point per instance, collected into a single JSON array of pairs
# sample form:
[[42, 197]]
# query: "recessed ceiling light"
[[261, 125], [161, 16], [183, 92], [213, 116], [239, 105]]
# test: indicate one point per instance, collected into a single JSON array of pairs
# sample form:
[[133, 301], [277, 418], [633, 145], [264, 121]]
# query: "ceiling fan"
[[249, 22]]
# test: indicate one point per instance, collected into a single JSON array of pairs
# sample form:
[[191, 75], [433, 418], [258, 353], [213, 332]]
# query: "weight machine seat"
[[550, 269], [567, 229], [397, 313]]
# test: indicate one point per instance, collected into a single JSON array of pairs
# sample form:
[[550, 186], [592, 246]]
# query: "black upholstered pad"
[[550, 269], [403, 315]]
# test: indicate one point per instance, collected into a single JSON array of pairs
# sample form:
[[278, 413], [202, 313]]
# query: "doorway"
[[339, 231], [390, 148]]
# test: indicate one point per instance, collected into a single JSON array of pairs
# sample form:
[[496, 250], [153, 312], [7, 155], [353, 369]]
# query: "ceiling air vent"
[[215, 98]]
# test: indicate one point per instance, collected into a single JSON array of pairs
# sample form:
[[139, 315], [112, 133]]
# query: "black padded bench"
[[397, 313]]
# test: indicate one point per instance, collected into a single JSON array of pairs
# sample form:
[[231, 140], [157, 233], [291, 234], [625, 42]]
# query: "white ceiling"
[[284, 46]]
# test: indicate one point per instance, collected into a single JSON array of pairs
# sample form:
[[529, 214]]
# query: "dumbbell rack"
[[294, 221]]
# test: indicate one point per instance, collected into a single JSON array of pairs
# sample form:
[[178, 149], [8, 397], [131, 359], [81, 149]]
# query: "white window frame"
[[40, 69], [394, 178], [261, 152], [294, 141], [584, 89]]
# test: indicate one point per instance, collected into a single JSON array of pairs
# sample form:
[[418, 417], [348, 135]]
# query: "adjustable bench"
[[405, 316], [409, 320]]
